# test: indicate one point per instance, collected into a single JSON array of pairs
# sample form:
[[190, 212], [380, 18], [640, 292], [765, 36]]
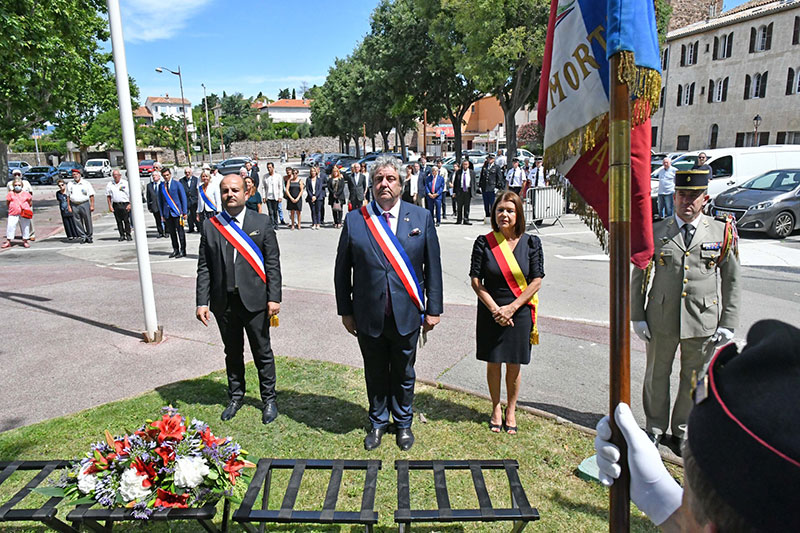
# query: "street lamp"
[[208, 125], [756, 124], [183, 106]]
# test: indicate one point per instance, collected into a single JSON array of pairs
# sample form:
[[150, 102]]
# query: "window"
[[712, 138], [749, 138], [791, 88], [661, 100], [689, 53], [717, 90], [683, 142], [796, 31], [688, 94], [761, 38], [788, 137], [723, 46], [755, 87], [665, 59], [722, 167], [653, 136]]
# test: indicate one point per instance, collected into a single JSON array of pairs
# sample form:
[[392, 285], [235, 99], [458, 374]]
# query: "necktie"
[[688, 233], [386, 217], [463, 181], [388, 308], [230, 270]]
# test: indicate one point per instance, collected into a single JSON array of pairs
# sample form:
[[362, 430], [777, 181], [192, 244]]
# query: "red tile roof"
[[288, 102], [142, 112], [167, 100], [258, 105]]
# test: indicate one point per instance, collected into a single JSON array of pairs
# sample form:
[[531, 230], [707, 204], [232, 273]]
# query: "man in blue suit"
[[386, 305], [423, 173], [434, 191], [173, 206]]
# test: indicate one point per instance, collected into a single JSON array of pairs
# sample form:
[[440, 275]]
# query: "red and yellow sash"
[[513, 274]]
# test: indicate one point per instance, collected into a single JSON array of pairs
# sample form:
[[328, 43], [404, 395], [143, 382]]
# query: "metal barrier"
[[542, 203]]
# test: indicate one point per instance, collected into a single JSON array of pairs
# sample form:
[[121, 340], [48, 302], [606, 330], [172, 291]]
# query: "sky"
[[242, 46]]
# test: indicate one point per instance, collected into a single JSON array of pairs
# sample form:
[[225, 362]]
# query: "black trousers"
[[389, 373], [159, 222], [176, 234], [233, 323], [272, 207], [123, 218], [190, 219], [462, 206], [69, 225]]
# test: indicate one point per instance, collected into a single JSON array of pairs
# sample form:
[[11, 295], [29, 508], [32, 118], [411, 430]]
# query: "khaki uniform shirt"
[[692, 294]]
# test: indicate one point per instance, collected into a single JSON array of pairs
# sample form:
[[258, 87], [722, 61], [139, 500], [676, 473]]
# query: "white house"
[[161, 106], [289, 110]]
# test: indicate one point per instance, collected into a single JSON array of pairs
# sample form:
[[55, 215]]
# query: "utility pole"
[[183, 106], [208, 125]]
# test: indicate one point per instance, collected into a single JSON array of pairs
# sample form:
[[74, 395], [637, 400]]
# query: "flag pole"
[[619, 215]]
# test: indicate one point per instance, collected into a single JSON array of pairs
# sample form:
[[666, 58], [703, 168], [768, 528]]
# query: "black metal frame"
[[367, 516], [85, 514], [520, 512]]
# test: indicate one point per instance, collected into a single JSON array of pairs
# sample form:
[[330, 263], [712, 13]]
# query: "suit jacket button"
[[686, 267], [685, 281], [687, 254], [715, 302], [683, 295]]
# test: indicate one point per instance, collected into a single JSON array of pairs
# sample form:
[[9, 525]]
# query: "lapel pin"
[[406, 219], [414, 232]]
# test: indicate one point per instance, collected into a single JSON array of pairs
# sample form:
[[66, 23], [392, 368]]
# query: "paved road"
[[72, 316]]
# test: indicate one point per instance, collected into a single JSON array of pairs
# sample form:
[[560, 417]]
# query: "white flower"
[[131, 485], [190, 472], [86, 482]]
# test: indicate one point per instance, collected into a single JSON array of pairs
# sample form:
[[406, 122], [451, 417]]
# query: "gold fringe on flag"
[[644, 86], [578, 142]]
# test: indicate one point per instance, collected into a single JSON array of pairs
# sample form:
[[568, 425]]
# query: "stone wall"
[[294, 147], [30, 158], [685, 12]]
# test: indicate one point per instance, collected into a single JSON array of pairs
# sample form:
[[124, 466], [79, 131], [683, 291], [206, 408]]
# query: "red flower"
[[100, 462], [165, 498], [166, 453], [170, 428], [233, 466], [144, 469], [121, 446], [209, 439]]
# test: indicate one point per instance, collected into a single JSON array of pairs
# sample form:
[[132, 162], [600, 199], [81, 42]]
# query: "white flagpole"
[[153, 332]]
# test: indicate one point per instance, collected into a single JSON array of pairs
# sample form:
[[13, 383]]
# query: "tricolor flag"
[[574, 101]]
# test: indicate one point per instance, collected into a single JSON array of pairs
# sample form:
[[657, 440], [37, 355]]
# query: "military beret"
[[76, 170], [692, 179], [743, 431]]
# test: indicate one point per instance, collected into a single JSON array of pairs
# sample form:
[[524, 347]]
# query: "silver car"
[[769, 202]]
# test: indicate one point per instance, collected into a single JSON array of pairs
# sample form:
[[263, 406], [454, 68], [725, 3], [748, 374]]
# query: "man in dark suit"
[[189, 182], [252, 172], [172, 204], [229, 286], [463, 188], [378, 309], [357, 187], [491, 179], [423, 174], [152, 201]]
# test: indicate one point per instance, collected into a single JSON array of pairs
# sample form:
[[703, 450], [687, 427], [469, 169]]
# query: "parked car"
[[146, 168], [65, 169], [21, 165], [769, 202], [98, 168], [521, 155], [46, 175], [657, 159], [232, 165], [313, 159], [329, 159]]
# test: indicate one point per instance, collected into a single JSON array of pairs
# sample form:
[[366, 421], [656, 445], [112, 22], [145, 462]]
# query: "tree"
[[531, 135], [283, 94], [303, 89], [663, 14], [504, 45], [49, 54], [168, 132], [294, 95], [104, 130]]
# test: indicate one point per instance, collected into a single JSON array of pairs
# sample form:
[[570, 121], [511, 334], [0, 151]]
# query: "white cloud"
[[152, 20], [256, 80]]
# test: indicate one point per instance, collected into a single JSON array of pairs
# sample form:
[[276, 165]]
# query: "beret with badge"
[[744, 429]]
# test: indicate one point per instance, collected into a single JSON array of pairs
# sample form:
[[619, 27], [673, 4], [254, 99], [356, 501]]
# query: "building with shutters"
[[721, 73]]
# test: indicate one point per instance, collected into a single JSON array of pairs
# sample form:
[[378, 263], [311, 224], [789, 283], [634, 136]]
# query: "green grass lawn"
[[323, 415]]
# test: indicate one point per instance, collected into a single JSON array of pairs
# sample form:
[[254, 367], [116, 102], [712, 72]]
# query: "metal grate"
[[91, 518], [46, 514], [521, 512], [328, 515]]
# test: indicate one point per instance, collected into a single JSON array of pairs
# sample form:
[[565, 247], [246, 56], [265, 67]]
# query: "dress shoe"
[[121, 238], [373, 438], [89, 240], [467, 223], [182, 254], [175, 253], [674, 444], [128, 238], [160, 236], [405, 439], [655, 438], [230, 411], [270, 412]]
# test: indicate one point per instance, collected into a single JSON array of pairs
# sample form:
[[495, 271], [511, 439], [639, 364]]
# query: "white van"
[[733, 166], [98, 168]]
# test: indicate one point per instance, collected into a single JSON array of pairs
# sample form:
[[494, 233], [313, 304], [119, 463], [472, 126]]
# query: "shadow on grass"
[[438, 409], [637, 522], [582, 418], [319, 411]]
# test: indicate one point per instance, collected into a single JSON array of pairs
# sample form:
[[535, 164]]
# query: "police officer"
[[693, 302]]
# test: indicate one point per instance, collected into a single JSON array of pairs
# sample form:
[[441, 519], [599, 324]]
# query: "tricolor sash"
[[513, 275], [206, 200], [170, 202], [229, 229], [394, 253]]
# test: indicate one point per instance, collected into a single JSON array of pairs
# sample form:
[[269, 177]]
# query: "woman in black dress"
[[504, 325], [336, 196], [294, 199]]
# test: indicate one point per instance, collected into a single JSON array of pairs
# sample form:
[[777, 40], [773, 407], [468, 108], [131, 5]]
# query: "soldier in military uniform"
[[693, 301]]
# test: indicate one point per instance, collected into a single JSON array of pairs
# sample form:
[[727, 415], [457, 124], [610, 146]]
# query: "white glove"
[[641, 329], [652, 488], [722, 336]]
